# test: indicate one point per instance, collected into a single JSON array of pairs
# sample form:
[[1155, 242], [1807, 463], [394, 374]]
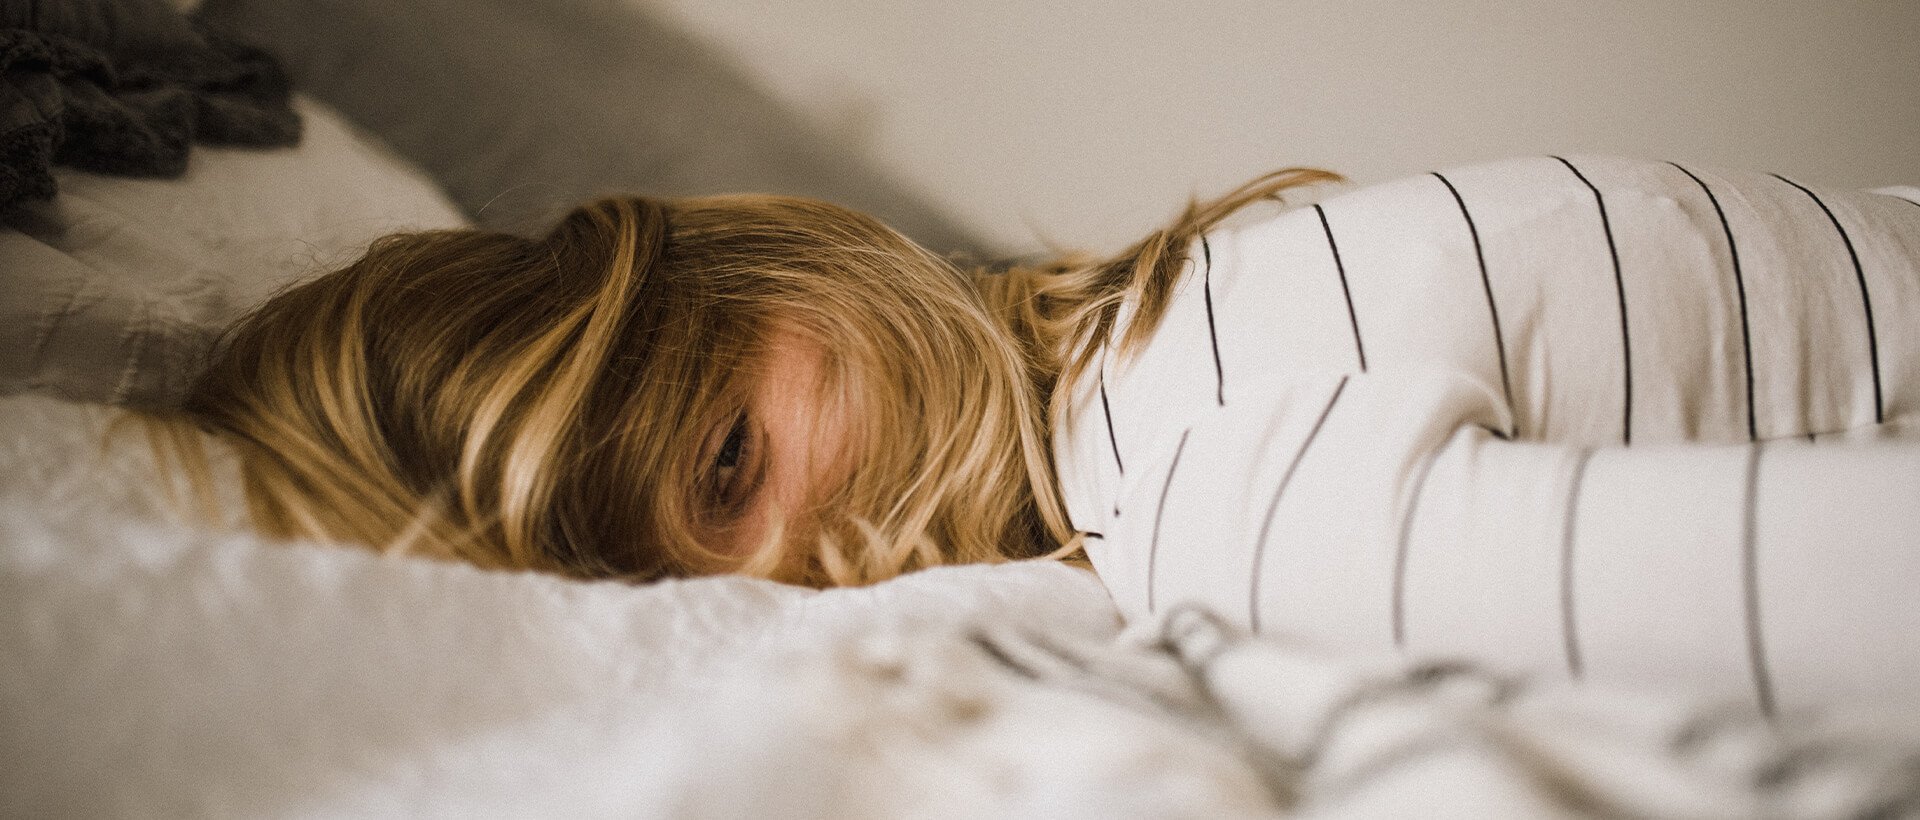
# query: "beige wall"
[[1086, 122]]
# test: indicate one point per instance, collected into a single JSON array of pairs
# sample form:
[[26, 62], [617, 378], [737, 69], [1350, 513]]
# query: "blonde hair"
[[1062, 309], [542, 403]]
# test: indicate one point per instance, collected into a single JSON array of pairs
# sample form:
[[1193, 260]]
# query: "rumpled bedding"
[[125, 87], [153, 665]]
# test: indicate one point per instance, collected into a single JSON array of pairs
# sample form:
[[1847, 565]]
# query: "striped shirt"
[[1630, 421]]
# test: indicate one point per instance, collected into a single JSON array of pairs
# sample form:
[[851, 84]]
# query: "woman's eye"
[[735, 472], [733, 448]]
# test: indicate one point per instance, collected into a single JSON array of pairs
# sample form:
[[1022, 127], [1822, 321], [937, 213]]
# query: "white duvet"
[[148, 667]]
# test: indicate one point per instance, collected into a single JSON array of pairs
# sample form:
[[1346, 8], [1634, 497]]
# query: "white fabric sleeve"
[[1379, 510]]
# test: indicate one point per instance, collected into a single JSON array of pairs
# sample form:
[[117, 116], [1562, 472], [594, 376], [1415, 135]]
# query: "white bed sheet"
[[148, 667]]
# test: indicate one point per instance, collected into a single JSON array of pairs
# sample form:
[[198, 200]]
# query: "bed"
[[150, 665]]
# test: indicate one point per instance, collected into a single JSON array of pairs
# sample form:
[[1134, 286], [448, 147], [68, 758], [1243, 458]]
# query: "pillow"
[[522, 108], [114, 290]]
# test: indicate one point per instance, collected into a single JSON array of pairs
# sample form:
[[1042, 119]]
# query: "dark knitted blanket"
[[124, 87]]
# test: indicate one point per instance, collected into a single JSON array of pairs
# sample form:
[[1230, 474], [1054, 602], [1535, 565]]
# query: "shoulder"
[[1544, 184], [1537, 207]]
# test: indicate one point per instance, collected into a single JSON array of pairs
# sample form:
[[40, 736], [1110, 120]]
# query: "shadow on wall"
[[522, 108]]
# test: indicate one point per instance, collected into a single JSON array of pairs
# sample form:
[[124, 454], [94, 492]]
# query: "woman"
[[1435, 413], [764, 385]]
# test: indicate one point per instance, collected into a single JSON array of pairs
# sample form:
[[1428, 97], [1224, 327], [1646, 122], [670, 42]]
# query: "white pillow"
[[114, 290]]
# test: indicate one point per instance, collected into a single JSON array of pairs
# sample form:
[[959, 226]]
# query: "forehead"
[[792, 365], [793, 382]]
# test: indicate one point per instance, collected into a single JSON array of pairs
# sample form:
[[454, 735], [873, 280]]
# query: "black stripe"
[[1400, 555], [1620, 287], [1750, 580], [1260, 543], [1569, 528], [1866, 301], [1913, 202], [1091, 534], [1106, 410], [1153, 544], [1486, 284], [1740, 285], [1341, 268], [1206, 292]]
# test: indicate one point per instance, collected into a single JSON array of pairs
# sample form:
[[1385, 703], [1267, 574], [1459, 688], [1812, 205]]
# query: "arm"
[[1377, 511]]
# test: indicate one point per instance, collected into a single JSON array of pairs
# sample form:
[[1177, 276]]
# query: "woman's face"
[[786, 450]]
